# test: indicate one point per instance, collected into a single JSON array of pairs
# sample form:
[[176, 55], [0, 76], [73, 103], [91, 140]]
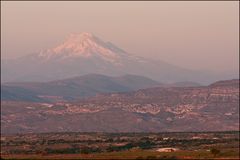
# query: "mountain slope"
[[18, 94], [85, 53], [205, 108], [69, 89]]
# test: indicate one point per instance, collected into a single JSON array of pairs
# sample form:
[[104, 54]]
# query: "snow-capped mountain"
[[84, 45], [84, 53]]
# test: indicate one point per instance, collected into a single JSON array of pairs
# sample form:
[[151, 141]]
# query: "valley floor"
[[204, 145], [136, 154]]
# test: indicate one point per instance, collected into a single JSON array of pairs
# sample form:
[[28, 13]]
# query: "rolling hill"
[[71, 88]]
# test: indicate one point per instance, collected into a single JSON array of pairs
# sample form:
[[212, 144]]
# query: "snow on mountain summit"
[[84, 53], [84, 45]]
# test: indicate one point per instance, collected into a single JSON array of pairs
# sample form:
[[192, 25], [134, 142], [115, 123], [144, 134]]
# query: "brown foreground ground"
[[137, 154], [206, 145]]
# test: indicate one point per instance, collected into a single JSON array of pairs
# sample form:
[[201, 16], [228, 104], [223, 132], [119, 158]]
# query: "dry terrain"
[[180, 145]]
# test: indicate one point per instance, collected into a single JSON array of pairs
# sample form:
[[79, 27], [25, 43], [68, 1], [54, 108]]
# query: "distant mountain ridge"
[[84, 53], [69, 89]]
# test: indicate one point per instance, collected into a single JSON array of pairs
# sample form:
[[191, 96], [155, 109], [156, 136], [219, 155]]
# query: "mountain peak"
[[79, 43], [79, 37], [84, 45]]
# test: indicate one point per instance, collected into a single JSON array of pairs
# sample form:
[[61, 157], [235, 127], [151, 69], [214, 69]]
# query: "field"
[[204, 145]]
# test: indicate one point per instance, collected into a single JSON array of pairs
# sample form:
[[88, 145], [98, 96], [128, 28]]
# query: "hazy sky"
[[198, 35]]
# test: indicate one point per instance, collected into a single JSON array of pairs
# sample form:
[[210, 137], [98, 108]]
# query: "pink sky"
[[197, 34]]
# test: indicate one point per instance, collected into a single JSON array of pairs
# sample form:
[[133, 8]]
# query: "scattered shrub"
[[215, 151]]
